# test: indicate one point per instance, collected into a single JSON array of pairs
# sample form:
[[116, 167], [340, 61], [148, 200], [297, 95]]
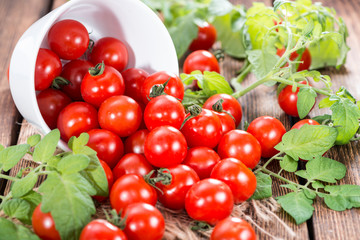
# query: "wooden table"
[[17, 15]]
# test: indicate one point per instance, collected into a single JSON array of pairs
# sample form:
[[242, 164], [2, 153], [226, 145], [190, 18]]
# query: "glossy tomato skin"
[[230, 105], [233, 228], [100, 229], [201, 60], [69, 39], [165, 146], [51, 102], [48, 66], [121, 115], [111, 51], [134, 79], [203, 130], [108, 145], [301, 123], [131, 188], [305, 58], [74, 71], [227, 122], [205, 39], [202, 160], [174, 87], [76, 118], [95, 89], [242, 146], [136, 141], [237, 176], [44, 225], [109, 177], [209, 200], [132, 163], [143, 222], [173, 195], [164, 110], [268, 131]]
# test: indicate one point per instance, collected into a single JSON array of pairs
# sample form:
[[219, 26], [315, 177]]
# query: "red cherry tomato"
[[135, 142], [109, 177], [134, 79], [100, 229], [143, 222], [164, 110], [44, 225], [165, 146], [132, 163], [74, 71], [268, 131], [237, 176], [205, 39], [173, 195], [203, 130], [301, 123], [227, 122], [174, 86], [202, 160], [131, 188], [98, 86], [305, 58], [108, 145], [121, 115], [51, 102], [47, 67], [233, 228], [242, 146], [209, 200], [69, 39], [111, 51], [201, 60], [230, 105], [76, 118]]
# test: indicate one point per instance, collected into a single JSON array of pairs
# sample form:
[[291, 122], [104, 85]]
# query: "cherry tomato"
[[134, 79], [121, 115], [109, 177], [101, 84], [237, 176], [202, 160], [51, 102], [131, 188], [174, 86], [69, 39], [44, 225], [230, 105], [143, 222], [164, 110], [47, 67], [132, 163], [111, 51], [233, 228], [203, 130], [165, 146], [209, 200], [227, 122], [242, 146], [173, 195], [268, 131], [76, 118], [305, 58], [301, 123], [135, 142], [201, 60], [205, 39], [108, 145], [74, 71], [100, 229]]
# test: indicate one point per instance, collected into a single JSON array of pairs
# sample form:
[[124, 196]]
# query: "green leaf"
[[323, 119], [12, 231], [78, 143], [214, 82], [278, 3], [46, 147], [263, 62], [1, 147], [289, 186], [309, 27], [326, 103], [317, 185], [24, 185], [309, 194], [303, 174], [306, 101], [263, 186], [325, 169], [288, 164], [17, 208], [308, 142], [33, 140], [342, 197], [219, 7], [73, 163], [10, 156], [297, 205]]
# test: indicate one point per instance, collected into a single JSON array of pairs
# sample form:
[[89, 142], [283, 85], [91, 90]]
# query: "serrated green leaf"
[[33, 140], [326, 103], [263, 62], [309, 194], [46, 147], [302, 173], [342, 197], [17, 208], [317, 185], [288, 164], [263, 186], [325, 169], [306, 101], [187, 79], [219, 7], [12, 231], [24, 185], [289, 186], [76, 144], [297, 205], [214, 82], [10, 156], [73, 163]]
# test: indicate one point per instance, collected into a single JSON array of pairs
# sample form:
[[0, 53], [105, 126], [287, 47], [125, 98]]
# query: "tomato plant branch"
[[8, 177]]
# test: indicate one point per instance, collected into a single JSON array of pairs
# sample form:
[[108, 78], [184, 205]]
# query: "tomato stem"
[[97, 70], [194, 110], [10, 178]]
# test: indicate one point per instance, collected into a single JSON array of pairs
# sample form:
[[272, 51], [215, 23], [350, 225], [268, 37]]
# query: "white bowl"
[[149, 45]]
